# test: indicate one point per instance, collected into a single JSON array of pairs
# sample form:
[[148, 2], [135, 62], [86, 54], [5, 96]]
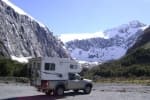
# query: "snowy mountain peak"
[[125, 30], [136, 24], [121, 31]]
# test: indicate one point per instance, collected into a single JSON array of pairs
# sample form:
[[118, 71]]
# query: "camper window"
[[50, 66], [73, 66]]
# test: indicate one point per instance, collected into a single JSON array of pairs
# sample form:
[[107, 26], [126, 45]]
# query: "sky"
[[85, 16]]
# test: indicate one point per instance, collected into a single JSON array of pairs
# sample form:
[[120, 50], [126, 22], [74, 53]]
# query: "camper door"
[[36, 72]]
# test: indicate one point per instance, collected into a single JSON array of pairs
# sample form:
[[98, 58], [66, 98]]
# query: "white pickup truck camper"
[[56, 75]]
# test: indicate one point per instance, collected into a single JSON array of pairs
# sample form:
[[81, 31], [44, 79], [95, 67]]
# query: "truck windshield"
[[74, 76], [78, 77]]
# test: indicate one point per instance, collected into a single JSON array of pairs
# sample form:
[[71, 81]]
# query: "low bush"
[[9, 67]]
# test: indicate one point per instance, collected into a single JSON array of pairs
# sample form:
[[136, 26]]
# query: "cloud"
[[72, 36]]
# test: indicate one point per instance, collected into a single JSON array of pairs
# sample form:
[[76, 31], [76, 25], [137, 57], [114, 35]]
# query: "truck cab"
[[56, 75], [76, 83]]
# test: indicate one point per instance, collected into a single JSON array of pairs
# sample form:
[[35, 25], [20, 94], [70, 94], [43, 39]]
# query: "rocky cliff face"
[[120, 39], [22, 36]]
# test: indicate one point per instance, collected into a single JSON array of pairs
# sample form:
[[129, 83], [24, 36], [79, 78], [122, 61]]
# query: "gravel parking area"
[[100, 92]]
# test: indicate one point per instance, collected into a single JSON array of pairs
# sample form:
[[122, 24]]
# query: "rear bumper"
[[43, 89]]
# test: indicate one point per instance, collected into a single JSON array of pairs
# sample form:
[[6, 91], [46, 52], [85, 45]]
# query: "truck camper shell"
[[52, 68]]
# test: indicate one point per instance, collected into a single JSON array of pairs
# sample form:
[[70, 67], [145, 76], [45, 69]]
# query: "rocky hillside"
[[120, 39], [142, 42], [22, 36]]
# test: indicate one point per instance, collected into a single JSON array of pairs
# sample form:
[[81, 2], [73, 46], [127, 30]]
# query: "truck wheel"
[[87, 89], [48, 92], [59, 91]]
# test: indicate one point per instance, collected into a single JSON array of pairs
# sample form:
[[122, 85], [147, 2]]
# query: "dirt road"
[[99, 92]]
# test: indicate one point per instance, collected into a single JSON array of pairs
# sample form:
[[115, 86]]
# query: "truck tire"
[[48, 92], [59, 91], [87, 89]]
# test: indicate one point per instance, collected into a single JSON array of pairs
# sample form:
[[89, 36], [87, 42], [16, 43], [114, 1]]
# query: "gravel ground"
[[100, 92]]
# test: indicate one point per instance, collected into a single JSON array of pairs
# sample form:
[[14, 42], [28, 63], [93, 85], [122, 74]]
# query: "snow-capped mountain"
[[113, 47], [23, 36]]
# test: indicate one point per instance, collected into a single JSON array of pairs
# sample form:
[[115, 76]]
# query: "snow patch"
[[145, 27], [86, 64], [20, 59]]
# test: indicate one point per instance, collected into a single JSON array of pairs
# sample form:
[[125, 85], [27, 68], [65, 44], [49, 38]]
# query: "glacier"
[[98, 49]]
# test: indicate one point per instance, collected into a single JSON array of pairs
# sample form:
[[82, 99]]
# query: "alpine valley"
[[22, 37]]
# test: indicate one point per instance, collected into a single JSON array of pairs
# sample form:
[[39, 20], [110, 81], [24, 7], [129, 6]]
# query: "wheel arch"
[[89, 84], [60, 85]]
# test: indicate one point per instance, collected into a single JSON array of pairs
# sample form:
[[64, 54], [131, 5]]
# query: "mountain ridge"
[[142, 42]]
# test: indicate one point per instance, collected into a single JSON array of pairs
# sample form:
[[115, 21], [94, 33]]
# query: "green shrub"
[[9, 67]]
